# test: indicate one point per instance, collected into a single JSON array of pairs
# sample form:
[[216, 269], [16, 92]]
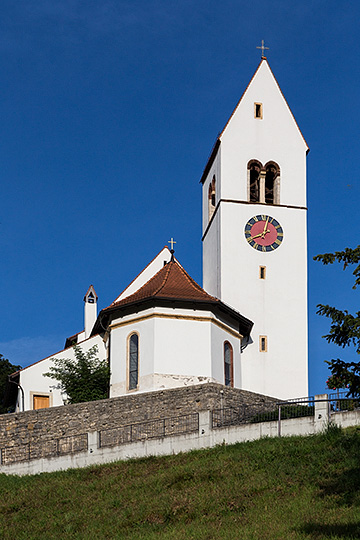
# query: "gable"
[[145, 275], [277, 123]]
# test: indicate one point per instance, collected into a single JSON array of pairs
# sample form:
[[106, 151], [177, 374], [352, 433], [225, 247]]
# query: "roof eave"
[[210, 161], [216, 306]]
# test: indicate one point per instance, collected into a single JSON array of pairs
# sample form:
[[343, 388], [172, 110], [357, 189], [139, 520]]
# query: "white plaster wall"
[[276, 137], [211, 253], [172, 351], [214, 170], [277, 305], [119, 352], [212, 257], [33, 381], [80, 337], [218, 338], [90, 315], [182, 347], [149, 271]]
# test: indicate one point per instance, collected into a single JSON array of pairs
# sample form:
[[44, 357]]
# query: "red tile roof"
[[171, 282], [147, 266], [171, 285]]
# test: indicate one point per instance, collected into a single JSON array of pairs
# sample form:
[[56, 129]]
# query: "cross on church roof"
[[262, 49], [172, 242]]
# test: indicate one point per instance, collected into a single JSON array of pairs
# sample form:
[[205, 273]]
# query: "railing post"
[[222, 407], [204, 422], [322, 416], [93, 441], [279, 420]]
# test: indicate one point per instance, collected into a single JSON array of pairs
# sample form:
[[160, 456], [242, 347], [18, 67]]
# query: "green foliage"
[[344, 328], [6, 369], [84, 379], [348, 256], [335, 383], [289, 488]]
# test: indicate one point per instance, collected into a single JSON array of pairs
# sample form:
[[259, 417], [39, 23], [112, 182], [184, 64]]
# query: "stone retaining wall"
[[41, 426]]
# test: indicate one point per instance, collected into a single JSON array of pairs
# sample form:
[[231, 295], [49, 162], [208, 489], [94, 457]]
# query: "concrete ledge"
[[204, 438]]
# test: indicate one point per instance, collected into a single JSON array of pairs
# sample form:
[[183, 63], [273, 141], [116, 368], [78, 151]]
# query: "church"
[[246, 326]]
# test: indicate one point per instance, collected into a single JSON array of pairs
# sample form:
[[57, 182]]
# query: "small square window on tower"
[[258, 110], [262, 272], [263, 343]]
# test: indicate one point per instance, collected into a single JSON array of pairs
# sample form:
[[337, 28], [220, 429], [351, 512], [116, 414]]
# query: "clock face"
[[264, 233]]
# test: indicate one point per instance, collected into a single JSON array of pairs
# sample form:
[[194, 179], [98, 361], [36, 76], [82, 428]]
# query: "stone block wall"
[[39, 428]]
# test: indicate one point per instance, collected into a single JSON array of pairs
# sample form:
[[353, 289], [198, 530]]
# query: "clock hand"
[[256, 236], [266, 224], [266, 230]]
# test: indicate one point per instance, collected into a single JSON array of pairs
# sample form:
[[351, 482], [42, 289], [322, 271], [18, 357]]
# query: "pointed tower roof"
[[264, 64], [172, 286], [89, 291]]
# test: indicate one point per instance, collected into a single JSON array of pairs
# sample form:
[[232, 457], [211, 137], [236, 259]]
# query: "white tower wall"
[[278, 303]]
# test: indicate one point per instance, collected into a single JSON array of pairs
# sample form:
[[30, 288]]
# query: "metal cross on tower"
[[262, 49], [172, 242]]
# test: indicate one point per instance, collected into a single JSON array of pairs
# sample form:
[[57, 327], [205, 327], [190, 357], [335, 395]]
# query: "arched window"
[[263, 182], [212, 198], [254, 169], [228, 364], [271, 183], [133, 361]]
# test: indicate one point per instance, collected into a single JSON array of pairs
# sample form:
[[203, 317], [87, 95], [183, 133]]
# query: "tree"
[[85, 378], [345, 327], [6, 369]]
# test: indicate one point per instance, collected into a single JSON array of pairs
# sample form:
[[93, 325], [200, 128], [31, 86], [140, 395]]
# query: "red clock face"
[[263, 233]]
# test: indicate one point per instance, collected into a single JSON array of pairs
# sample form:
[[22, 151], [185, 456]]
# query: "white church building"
[[247, 326]]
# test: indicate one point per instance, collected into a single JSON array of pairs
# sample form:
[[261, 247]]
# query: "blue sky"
[[108, 113]]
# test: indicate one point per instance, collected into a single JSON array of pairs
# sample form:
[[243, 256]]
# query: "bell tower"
[[254, 235]]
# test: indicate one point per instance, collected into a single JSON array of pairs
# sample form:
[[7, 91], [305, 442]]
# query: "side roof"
[[51, 355]]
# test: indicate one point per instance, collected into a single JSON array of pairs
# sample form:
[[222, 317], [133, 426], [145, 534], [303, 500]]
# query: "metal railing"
[[177, 425], [159, 428], [340, 402], [153, 429], [47, 448], [293, 408], [228, 416]]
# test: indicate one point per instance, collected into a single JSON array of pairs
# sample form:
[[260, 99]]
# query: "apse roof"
[[172, 281], [171, 285]]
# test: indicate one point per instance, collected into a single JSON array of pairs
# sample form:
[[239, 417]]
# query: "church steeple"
[[254, 233]]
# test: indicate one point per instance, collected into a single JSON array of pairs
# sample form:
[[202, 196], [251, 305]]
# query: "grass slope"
[[290, 488]]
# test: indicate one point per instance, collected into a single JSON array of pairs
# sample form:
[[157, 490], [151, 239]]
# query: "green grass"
[[290, 488]]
